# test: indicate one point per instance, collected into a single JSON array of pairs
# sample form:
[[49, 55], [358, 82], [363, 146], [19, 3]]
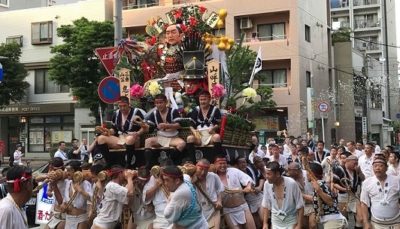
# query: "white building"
[[48, 114]]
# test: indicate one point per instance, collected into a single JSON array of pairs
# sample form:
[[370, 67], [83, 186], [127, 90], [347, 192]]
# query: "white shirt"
[[259, 153], [384, 201], [365, 164], [18, 157], [79, 201], [213, 187], [115, 196], [236, 178], [395, 171], [159, 201], [286, 150], [282, 160], [293, 200], [61, 154], [11, 216]]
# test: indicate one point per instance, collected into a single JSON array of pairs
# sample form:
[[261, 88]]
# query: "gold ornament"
[[209, 40], [216, 40], [224, 39], [231, 41], [220, 24], [222, 13], [228, 47], [221, 46]]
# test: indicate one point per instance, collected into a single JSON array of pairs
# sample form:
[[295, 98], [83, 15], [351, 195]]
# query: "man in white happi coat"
[[283, 199], [19, 187], [365, 161], [183, 209], [235, 208], [381, 193], [209, 188], [76, 196], [115, 196], [154, 192]]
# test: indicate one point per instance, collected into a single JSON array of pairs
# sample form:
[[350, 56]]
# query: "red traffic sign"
[[108, 90], [323, 106], [106, 57]]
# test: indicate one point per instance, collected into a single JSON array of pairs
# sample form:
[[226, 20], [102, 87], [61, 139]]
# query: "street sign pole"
[[323, 108], [323, 127]]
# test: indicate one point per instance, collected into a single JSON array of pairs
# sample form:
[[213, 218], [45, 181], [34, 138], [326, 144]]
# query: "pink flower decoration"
[[137, 91], [218, 90]]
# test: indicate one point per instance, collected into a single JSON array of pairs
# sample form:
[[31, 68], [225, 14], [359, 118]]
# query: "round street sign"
[[108, 89], [323, 106]]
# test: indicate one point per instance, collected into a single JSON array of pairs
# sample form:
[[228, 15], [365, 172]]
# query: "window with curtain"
[[42, 32], [274, 78], [267, 32], [43, 84]]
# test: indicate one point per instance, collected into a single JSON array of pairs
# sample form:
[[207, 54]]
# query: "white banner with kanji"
[[44, 203]]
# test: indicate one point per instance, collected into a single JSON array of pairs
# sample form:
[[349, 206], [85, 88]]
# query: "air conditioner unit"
[[245, 23]]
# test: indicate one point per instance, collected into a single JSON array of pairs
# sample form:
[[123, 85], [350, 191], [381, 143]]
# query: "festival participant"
[[294, 153], [57, 220], [183, 209], [325, 203], [348, 188], [209, 188], [365, 161], [142, 213], [154, 192], [329, 163], [282, 198], [300, 176], [125, 132], [19, 187], [98, 180], [351, 147], [277, 156], [394, 165], [320, 152], [77, 193], [167, 133], [235, 209], [206, 120], [115, 196], [381, 193]]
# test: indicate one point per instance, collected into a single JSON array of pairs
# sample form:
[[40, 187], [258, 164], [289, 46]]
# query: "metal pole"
[[323, 127], [117, 21]]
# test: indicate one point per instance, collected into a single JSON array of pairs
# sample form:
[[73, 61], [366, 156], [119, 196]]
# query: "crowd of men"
[[297, 184]]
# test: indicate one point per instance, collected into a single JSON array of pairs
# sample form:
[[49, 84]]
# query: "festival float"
[[141, 69]]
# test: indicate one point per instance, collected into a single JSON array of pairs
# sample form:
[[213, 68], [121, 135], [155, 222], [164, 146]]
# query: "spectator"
[[18, 155], [61, 151]]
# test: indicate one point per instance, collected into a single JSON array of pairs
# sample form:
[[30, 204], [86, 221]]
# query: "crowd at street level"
[[288, 185], [301, 190]]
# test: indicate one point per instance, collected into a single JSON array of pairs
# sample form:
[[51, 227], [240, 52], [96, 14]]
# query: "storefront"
[[37, 127]]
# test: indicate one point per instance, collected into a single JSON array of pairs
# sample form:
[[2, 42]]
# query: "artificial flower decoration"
[[137, 91], [202, 9], [154, 88], [249, 93], [178, 13], [192, 21], [218, 91]]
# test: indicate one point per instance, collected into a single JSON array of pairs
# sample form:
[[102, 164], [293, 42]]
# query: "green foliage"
[[341, 35], [13, 86], [75, 63]]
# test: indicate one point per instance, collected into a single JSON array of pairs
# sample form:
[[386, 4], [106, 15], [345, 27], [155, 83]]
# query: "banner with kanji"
[[44, 204]]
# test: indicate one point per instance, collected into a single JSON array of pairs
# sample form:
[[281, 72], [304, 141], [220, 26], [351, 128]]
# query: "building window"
[[42, 32], [43, 85], [4, 3], [46, 131], [274, 78], [307, 31], [308, 79], [14, 39], [267, 32]]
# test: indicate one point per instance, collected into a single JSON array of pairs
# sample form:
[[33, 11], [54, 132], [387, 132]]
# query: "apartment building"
[[294, 39], [48, 113], [373, 32]]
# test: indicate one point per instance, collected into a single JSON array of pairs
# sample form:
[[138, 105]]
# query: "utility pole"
[[117, 21]]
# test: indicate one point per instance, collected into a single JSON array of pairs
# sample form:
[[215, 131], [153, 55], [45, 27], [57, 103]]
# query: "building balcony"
[[137, 4], [367, 24], [366, 3], [367, 46]]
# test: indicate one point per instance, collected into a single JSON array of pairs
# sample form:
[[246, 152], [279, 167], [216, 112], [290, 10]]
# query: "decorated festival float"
[[182, 65]]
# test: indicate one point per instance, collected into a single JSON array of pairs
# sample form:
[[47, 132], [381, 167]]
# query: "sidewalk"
[[34, 162]]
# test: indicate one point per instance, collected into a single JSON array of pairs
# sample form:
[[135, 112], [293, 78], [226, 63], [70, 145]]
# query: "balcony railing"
[[365, 2], [367, 46], [362, 24], [264, 38]]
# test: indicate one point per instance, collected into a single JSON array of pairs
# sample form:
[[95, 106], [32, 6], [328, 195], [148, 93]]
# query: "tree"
[[13, 86], [75, 63]]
